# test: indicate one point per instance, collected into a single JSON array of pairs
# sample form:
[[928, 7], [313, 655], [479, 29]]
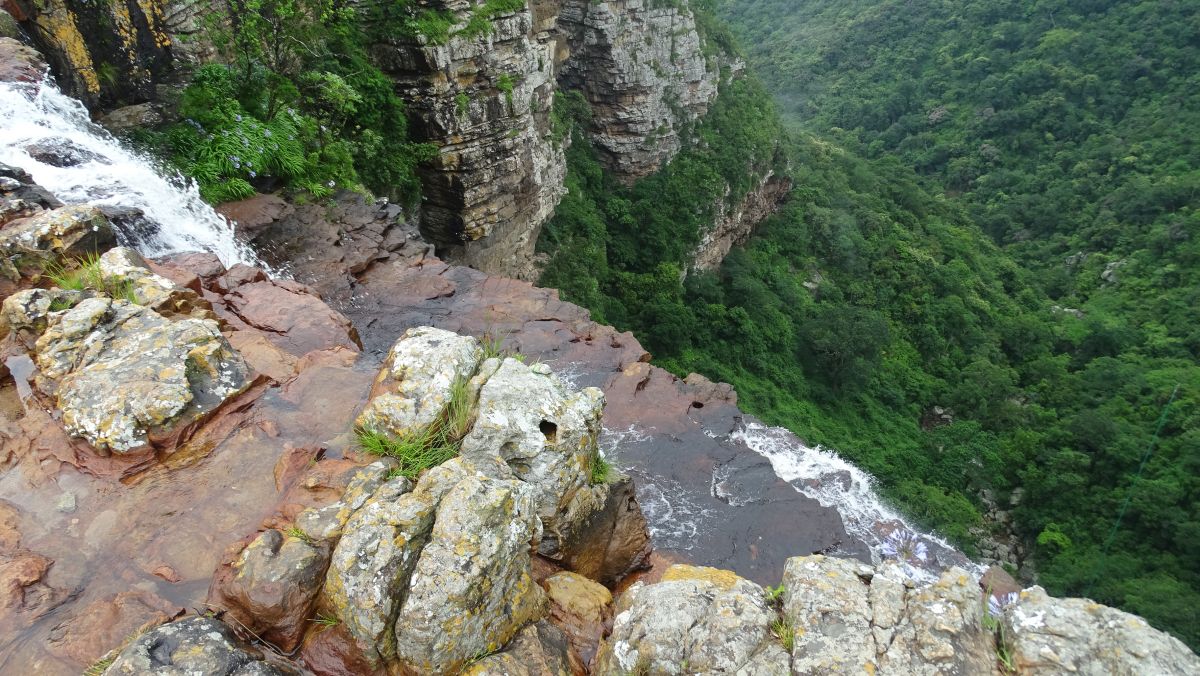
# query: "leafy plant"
[[429, 446], [774, 595]]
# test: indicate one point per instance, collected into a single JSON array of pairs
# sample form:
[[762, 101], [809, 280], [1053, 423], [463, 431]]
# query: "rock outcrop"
[[197, 645], [737, 221], [1046, 635], [484, 96], [645, 69]]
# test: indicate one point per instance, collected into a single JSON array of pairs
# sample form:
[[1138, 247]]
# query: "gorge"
[[520, 132]]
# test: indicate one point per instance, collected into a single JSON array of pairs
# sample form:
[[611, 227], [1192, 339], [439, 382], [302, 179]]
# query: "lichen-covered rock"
[[28, 244], [898, 627], [710, 620], [370, 568], [325, 524], [28, 312], [199, 646], [642, 67], [122, 373], [473, 587], [548, 437], [124, 269], [272, 587], [1053, 636], [417, 379], [540, 649], [19, 195]]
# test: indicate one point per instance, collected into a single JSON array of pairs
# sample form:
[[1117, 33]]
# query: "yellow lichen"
[[59, 26], [724, 579]]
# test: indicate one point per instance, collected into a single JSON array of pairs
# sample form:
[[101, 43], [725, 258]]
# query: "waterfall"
[[44, 128]]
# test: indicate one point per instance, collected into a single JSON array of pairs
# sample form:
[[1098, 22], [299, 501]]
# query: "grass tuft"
[[774, 595], [784, 631], [325, 621], [295, 532], [430, 447], [84, 273], [601, 470]]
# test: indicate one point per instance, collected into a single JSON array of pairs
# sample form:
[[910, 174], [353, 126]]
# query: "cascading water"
[[101, 171], [827, 478]]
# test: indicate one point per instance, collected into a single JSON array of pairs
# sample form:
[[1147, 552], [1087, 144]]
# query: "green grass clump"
[[774, 595], [601, 470], [784, 631], [83, 273], [295, 532], [429, 447]]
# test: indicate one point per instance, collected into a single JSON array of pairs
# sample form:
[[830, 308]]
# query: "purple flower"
[[252, 174], [905, 545], [267, 133], [238, 118]]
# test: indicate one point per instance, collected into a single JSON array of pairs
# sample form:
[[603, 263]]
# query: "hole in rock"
[[697, 404], [550, 430]]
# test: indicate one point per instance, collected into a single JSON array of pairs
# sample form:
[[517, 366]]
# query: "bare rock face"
[[737, 222], [19, 63], [272, 586], [710, 620], [30, 242], [1054, 636], [484, 99], [897, 628], [643, 67], [540, 649]]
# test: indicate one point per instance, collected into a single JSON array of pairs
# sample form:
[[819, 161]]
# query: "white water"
[[112, 175], [826, 477]]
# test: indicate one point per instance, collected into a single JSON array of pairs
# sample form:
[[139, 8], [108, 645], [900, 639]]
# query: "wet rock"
[[290, 315], [255, 213], [472, 589], [60, 153], [328, 244], [414, 386], [20, 196], [27, 244], [19, 63], [332, 651], [104, 624], [1053, 636], [540, 649], [122, 374], [272, 586], [579, 607], [28, 312], [128, 118], [325, 524], [196, 645], [612, 540], [711, 620]]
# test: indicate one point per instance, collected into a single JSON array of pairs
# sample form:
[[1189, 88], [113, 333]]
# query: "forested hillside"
[[994, 213]]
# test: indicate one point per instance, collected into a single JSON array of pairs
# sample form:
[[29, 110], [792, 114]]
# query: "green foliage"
[[325, 621], [1064, 131], [299, 105], [84, 273], [429, 446], [600, 470], [774, 595], [482, 15], [785, 633]]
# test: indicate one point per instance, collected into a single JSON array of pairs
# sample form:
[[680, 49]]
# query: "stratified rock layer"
[[643, 68]]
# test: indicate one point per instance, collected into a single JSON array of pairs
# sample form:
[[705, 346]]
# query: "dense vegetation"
[[877, 294], [298, 104]]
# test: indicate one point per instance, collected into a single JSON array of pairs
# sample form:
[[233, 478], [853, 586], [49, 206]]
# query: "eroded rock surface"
[[643, 68], [695, 620], [1048, 635]]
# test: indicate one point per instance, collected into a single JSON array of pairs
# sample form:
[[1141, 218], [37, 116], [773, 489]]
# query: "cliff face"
[[643, 68], [485, 101], [738, 220]]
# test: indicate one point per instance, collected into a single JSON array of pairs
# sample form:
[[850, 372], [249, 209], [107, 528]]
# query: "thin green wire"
[[1162, 420]]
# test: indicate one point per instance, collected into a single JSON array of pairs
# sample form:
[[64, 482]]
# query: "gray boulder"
[[195, 646], [1053, 636], [473, 587], [416, 381], [696, 620]]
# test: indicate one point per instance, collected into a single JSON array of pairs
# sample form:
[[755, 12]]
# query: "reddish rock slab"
[[291, 316], [87, 634], [331, 651], [19, 63]]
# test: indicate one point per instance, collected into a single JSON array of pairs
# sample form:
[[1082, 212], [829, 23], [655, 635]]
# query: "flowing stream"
[[51, 136]]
